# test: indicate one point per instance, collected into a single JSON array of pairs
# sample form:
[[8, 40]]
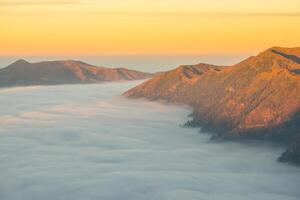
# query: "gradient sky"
[[102, 27]]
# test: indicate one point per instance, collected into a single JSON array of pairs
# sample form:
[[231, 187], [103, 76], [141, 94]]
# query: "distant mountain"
[[23, 73], [258, 97]]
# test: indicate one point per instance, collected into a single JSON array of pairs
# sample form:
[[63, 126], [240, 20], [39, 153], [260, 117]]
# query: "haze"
[[75, 142]]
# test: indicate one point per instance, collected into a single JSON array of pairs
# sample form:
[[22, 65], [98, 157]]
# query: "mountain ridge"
[[24, 73], [253, 99]]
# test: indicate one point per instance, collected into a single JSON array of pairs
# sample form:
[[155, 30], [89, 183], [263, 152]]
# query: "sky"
[[146, 27]]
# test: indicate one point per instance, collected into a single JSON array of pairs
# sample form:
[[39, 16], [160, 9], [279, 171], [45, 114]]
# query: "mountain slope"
[[254, 98], [23, 73]]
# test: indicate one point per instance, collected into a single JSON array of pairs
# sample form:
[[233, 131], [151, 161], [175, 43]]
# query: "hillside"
[[23, 73], [258, 97]]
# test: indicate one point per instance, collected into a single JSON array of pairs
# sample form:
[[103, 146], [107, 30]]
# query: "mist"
[[75, 142]]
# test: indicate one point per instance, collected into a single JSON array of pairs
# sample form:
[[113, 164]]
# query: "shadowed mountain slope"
[[23, 73]]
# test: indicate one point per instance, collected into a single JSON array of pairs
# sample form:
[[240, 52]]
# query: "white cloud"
[[86, 142], [15, 89]]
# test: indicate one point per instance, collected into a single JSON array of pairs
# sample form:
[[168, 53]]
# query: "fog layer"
[[86, 142]]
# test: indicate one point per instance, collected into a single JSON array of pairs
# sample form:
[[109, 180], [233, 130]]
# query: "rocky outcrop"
[[292, 154], [256, 98], [23, 73]]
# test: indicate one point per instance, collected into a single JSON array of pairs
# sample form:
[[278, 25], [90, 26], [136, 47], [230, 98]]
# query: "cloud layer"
[[86, 142]]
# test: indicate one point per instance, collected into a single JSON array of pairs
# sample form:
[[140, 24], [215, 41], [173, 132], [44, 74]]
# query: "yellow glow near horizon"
[[98, 27]]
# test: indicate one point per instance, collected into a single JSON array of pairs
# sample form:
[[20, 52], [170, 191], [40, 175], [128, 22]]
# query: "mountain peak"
[[274, 57], [72, 62], [291, 53], [21, 61], [294, 50], [288, 53]]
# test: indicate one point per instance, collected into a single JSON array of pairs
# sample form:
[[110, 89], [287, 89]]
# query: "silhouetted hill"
[[258, 97], [23, 73]]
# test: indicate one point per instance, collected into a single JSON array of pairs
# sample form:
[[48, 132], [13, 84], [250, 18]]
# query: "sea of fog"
[[86, 142]]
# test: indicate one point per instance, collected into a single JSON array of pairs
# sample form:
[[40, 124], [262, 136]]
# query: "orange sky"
[[101, 27]]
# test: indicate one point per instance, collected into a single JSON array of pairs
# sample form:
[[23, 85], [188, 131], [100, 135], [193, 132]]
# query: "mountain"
[[256, 98], [23, 73]]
